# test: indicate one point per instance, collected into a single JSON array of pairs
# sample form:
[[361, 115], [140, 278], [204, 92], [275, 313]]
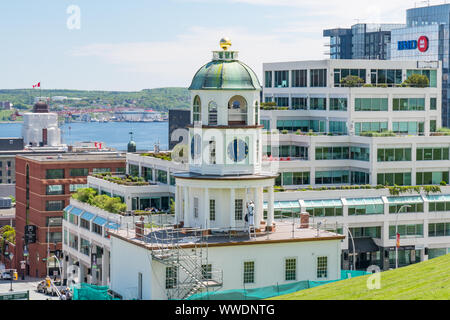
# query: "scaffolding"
[[187, 269]]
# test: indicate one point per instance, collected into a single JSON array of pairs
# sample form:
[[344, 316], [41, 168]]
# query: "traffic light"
[[15, 276]]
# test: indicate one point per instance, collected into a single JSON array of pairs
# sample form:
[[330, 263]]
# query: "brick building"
[[43, 187]]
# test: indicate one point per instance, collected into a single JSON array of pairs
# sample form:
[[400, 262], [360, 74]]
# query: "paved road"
[[30, 284]]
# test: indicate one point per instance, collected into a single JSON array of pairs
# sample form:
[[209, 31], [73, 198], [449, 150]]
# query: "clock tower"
[[225, 179]]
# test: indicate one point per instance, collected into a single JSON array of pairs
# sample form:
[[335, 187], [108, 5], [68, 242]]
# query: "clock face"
[[196, 146], [237, 150]]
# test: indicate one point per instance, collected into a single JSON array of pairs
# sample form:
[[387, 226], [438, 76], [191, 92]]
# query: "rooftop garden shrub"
[[162, 155], [105, 202], [417, 80], [378, 134], [352, 81]]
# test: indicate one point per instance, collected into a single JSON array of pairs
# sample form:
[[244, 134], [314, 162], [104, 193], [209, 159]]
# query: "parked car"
[[41, 286], [6, 275], [57, 285]]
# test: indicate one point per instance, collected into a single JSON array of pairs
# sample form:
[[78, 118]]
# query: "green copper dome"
[[225, 75]]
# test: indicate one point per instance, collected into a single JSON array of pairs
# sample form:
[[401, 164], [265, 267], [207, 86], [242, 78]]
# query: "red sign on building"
[[422, 44]]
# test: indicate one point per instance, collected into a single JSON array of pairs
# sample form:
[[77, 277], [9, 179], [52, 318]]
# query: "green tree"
[[85, 194], [352, 81], [417, 80]]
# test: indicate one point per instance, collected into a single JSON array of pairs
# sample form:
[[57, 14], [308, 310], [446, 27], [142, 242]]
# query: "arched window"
[[237, 110], [197, 109], [212, 113], [256, 113]]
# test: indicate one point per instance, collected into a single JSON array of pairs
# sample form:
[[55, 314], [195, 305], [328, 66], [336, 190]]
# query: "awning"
[[362, 245], [76, 211], [66, 209], [439, 198], [87, 216], [412, 199], [100, 221], [323, 203], [283, 205], [364, 201], [112, 225]]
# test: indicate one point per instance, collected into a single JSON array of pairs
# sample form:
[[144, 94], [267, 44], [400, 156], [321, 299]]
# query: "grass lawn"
[[429, 280]]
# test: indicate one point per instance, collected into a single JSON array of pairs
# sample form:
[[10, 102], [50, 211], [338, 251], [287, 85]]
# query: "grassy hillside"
[[157, 99], [429, 280]]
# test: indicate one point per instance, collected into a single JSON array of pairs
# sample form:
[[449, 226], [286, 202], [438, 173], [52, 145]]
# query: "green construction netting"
[[85, 291], [271, 291]]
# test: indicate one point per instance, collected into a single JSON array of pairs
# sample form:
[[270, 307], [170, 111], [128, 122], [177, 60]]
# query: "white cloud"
[[298, 36], [175, 62]]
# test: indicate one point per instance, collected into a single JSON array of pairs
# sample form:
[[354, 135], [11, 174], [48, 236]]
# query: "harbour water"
[[113, 134]]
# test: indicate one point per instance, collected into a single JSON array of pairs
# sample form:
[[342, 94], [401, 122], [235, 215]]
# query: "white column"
[[259, 207], [177, 204], [206, 207], [232, 208], [270, 217], [186, 207]]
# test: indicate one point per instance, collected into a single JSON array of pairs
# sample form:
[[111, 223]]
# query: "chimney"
[[304, 220], [139, 230]]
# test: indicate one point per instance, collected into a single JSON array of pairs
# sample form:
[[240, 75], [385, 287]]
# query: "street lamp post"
[[396, 233], [353, 243]]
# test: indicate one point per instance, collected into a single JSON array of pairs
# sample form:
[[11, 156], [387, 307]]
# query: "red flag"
[[398, 240], [38, 85]]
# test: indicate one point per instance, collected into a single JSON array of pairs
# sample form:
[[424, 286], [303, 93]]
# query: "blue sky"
[[137, 44]]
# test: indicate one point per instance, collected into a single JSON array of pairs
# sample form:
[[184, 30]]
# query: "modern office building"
[[317, 101], [361, 41], [426, 38], [44, 185], [376, 134]]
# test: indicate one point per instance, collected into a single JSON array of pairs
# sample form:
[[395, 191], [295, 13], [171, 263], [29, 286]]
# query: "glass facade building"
[[361, 41], [430, 24]]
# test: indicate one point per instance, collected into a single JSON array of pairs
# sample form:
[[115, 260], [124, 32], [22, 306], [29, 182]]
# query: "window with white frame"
[[196, 207], [171, 277], [197, 109], [238, 204], [290, 269], [249, 272], [212, 209], [322, 267], [212, 152]]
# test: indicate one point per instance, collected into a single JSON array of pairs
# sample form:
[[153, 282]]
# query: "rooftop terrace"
[[170, 238]]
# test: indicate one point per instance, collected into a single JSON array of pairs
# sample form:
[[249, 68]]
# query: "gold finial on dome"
[[225, 43]]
